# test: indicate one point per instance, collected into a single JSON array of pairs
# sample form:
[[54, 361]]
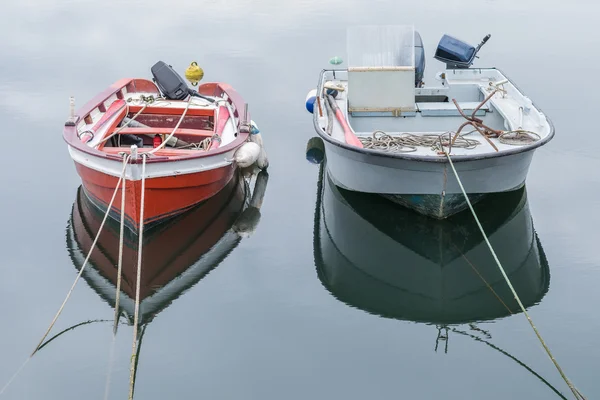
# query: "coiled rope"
[[576, 392], [407, 142]]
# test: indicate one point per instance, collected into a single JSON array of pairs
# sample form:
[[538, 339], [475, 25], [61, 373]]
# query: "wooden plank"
[[165, 131], [172, 110], [165, 152]]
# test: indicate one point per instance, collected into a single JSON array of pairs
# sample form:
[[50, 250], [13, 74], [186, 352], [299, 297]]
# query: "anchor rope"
[[484, 280], [576, 392], [93, 246], [522, 364], [120, 261], [139, 275]]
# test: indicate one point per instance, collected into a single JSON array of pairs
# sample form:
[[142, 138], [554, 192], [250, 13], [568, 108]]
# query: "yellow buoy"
[[194, 73]]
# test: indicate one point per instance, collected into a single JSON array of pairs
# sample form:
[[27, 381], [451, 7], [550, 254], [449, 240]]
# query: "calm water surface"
[[334, 296]]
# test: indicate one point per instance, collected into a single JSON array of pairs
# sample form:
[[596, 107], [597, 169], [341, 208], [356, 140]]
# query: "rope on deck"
[[108, 208], [139, 275], [576, 392], [407, 142]]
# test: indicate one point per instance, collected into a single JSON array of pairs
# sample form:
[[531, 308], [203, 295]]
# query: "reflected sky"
[[261, 324]]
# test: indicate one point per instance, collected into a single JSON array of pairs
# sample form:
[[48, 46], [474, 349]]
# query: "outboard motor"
[[419, 60], [171, 84], [456, 53]]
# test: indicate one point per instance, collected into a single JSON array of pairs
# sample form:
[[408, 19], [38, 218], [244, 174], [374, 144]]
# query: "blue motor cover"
[[452, 49]]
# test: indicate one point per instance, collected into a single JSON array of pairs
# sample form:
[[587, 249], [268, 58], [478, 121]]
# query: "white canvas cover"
[[381, 68]]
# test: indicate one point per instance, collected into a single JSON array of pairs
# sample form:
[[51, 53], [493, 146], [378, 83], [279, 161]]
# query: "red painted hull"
[[167, 253], [164, 197]]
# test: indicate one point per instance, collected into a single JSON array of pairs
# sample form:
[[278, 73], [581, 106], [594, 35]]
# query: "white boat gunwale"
[[429, 158], [70, 131]]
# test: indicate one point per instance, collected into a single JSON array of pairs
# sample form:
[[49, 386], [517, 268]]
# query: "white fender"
[[247, 154]]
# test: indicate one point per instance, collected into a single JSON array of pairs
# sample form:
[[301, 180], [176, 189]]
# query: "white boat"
[[386, 132]]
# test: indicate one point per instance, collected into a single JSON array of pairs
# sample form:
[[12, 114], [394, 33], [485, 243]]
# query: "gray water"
[[268, 322]]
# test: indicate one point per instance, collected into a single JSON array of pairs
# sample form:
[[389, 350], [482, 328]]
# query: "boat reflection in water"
[[176, 254], [390, 261]]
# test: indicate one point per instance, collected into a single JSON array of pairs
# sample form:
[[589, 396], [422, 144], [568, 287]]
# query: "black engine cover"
[[170, 83]]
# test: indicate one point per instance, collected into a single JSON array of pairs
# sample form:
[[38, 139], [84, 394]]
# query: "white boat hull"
[[430, 188], [423, 179]]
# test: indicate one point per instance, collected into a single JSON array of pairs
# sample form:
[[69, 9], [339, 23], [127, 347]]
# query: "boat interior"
[[382, 95], [138, 114]]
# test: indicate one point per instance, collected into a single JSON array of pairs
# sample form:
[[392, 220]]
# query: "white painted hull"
[[377, 174], [133, 172]]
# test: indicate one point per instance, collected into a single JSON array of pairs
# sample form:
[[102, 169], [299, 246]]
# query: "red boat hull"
[[164, 197], [168, 251]]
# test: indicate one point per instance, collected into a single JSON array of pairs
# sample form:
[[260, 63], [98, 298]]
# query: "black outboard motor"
[[456, 53], [419, 60], [170, 83]]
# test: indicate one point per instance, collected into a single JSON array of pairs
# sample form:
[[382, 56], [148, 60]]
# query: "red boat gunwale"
[[133, 85]]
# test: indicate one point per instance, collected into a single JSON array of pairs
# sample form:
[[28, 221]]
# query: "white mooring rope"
[[576, 392], [139, 276], [120, 261], [93, 246], [108, 208]]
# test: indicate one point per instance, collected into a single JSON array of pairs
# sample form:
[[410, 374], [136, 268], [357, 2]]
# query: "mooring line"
[[483, 279], [14, 376], [47, 342], [576, 392], [477, 338], [139, 276], [93, 246], [120, 261], [87, 258]]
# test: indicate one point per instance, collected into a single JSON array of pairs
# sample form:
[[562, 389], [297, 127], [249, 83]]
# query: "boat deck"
[[435, 114], [153, 116]]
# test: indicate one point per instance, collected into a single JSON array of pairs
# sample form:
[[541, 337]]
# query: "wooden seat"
[[164, 152], [166, 131], [449, 109]]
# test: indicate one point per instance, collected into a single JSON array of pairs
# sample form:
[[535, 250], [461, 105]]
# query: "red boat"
[[190, 141]]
